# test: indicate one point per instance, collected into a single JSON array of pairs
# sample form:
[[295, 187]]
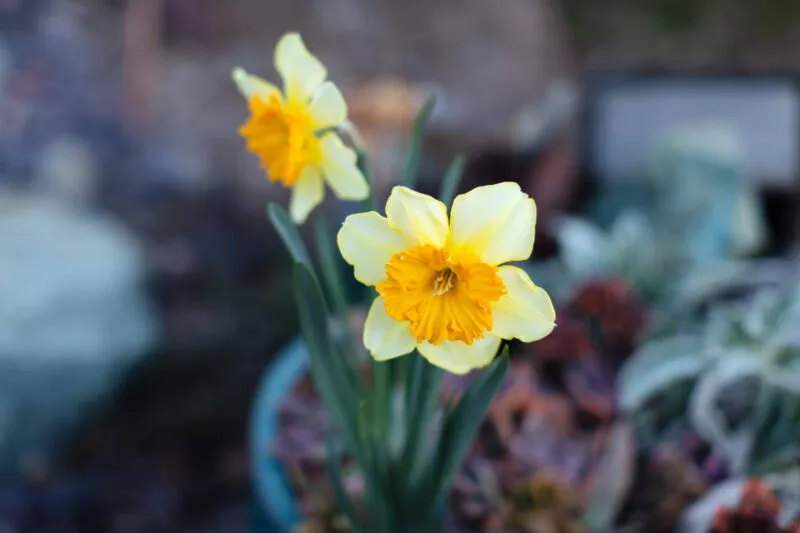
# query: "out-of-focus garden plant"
[[687, 221], [734, 380], [440, 288], [769, 504], [447, 440]]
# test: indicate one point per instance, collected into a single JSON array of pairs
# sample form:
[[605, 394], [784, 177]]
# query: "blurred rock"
[[73, 319], [67, 171]]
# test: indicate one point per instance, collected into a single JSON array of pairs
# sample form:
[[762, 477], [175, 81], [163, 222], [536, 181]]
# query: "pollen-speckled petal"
[[384, 336], [459, 358], [307, 194], [302, 73], [328, 107], [420, 218], [250, 85], [367, 242], [495, 222], [525, 312], [338, 163]]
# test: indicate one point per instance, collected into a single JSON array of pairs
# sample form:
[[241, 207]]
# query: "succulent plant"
[[532, 467], [757, 511], [671, 232], [325, 518], [667, 484], [536, 503], [627, 250], [615, 309], [598, 329], [540, 504], [749, 345]]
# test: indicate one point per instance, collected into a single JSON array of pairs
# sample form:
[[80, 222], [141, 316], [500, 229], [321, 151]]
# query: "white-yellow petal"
[[250, 85], [459, 358], [420, 218], [525, 312], [495, 222], [384, 336], [307, 193], [367, 242], [338, 164], [328, 107], [302, 73]]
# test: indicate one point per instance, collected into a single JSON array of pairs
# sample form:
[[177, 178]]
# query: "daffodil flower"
[[442, 285], [292, 131]]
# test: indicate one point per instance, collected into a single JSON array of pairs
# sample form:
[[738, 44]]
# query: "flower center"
[[444, 282], [441, 297], [282, 135]]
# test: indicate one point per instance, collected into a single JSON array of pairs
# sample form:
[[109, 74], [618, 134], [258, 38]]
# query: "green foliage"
[[386, 427], [409, 177], [459, 427], [334, 381], [753, 343], [289, 235], [629, 249], [701, 215], [451, 180], [344, 503]]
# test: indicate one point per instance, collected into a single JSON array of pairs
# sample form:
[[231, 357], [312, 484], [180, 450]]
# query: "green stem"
[[422, 399], [382, 390], [452, 178], [409, 178], [332, 275], [362, 162]]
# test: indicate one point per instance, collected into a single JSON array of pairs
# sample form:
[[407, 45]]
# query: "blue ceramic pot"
[[272, 488]]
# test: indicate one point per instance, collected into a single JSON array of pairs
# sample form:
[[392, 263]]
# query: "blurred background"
[[143, 292]]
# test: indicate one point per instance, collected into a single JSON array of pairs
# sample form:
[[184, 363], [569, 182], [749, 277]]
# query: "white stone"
[[73, 318]]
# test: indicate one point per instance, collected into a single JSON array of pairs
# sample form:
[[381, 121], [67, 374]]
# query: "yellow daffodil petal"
[[250, 85], [494, 222], [367, 242], [525, 312], [458, 357], [420, 218], [384, 336], [307, 193], [328, 107], [302, 73], [338, 163]]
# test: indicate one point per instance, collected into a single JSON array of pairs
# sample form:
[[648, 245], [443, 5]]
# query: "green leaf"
[[699, 517], [333, 379], [289, 235], [422, 398], [338, 486], [382, 397], [376, 496], [584, 247], [708, 419], [612, 480], [460, 427], [409, 177], [776, 430], [656, 368], [452, 178], [362, 162], [331, 271]]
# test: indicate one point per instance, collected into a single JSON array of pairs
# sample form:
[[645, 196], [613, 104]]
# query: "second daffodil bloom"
[[291, 130], [442, 285]]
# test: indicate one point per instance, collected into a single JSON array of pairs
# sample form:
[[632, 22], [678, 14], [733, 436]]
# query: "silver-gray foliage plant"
[[749, 345]]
